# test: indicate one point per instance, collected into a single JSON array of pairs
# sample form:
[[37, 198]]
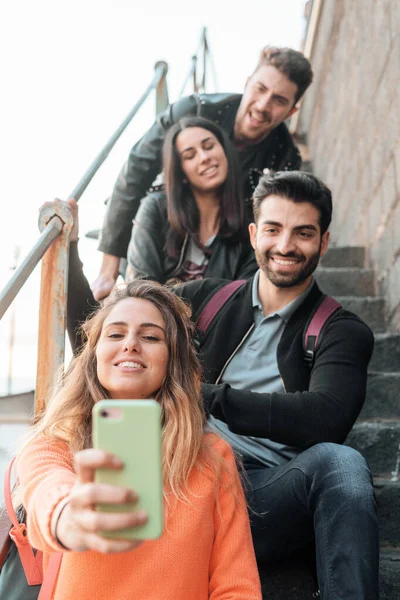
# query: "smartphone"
[[131, 429]]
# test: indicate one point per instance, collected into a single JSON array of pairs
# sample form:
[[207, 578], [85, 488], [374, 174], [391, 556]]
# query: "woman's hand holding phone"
[[79, 524]]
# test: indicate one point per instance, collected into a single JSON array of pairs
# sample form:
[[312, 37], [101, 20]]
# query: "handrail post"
[[162, 100], [194, 72], [53, 302], [205, 52]]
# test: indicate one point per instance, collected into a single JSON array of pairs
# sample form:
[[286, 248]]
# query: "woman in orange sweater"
[[139, 345]]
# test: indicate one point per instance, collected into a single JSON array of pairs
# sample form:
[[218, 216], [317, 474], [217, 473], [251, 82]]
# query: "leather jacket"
[[276, 151], [148, 259]]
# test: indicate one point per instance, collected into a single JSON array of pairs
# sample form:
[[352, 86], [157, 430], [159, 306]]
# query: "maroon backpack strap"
[[325, 310], [214, 305]]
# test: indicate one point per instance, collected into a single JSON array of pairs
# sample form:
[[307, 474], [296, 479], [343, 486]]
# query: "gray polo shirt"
[[254, 367]]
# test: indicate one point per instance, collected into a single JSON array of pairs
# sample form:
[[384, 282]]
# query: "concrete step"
[[288, 579], [346, 282], [291, 579], [383, 396], [370, 309], [344, 256], [379, 443], [389, 574], [386, 355], [388, 501]]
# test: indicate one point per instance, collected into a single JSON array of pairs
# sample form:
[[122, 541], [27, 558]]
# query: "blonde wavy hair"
[[68, 415]]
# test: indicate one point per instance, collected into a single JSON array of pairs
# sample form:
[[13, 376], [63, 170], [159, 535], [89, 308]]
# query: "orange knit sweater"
[[204, 553]]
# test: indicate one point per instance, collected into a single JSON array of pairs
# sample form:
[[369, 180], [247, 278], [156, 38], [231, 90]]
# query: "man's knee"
[[340, 467]]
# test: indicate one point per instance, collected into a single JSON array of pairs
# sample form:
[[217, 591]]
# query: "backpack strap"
[[214, 305], [326, 309], [31, 561]]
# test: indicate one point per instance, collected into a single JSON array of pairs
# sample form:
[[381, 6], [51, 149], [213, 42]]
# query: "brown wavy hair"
[[293, 64], [68, 415]]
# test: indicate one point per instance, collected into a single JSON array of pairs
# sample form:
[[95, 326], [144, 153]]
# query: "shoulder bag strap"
[[50, 577], [31, 562], [7, 494]]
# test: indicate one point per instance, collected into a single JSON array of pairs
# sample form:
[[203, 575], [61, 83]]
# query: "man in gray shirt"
[[255, 367], [288, 420]]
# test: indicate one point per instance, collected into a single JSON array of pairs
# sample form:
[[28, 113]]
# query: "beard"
[[290, 279], [243, 135]]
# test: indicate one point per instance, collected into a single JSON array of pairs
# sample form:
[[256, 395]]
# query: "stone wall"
[[351, 118]]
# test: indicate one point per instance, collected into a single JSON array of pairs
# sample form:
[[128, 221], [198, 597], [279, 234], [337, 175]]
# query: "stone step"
[[379, 443], [344, 256], [389, 574], [292, 579], [346, 282], [388, 501], [370, 309], [287, 579], [386, 355], [383, 396]]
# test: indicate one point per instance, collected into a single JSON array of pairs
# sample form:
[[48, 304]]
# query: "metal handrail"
[[205, 57], [203, 52], [55, 226], [55, 222], [190, 75], [161, 69], [21, 274], [53, 299]]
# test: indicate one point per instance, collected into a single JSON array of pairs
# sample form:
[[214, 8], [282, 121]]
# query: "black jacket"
[[148, 258], [276, 152], [320, 405]]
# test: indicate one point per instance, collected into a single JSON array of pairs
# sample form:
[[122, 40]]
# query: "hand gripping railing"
[[55, 223]]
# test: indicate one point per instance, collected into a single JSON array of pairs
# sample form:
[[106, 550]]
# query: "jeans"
[[326, 494]]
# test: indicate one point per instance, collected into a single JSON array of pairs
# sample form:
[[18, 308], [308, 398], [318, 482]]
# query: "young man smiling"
[[269, 98], [288, 420], [288, 243], [254, 122]]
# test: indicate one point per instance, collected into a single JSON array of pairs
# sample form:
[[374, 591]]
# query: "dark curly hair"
[[297, 186]]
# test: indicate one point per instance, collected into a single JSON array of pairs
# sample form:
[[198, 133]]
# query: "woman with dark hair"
[[198, 227]]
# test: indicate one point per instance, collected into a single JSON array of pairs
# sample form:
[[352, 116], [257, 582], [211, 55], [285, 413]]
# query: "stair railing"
[[202, 56], [55, 224], [159, 83]]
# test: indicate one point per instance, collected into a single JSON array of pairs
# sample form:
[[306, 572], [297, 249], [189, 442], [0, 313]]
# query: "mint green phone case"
[[135, 437]]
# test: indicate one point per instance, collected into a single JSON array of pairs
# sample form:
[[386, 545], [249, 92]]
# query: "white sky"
[[69, 73]]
